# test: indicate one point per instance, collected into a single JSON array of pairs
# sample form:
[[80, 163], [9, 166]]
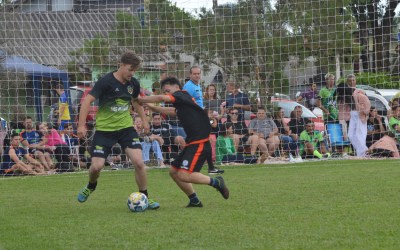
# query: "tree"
[[378, 17]]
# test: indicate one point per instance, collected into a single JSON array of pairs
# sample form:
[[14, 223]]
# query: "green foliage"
[[315, 205], [376, 80]]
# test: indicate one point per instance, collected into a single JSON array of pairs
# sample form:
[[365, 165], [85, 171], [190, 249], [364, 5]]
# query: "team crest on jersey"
[[130, 89]]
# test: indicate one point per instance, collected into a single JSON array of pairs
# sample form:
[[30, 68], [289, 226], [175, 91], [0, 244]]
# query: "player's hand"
[[82, 132]]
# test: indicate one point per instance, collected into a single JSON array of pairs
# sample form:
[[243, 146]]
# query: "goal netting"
[[274, 51]]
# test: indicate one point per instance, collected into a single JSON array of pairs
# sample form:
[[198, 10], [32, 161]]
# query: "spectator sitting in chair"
[[375, 128], [266, 130], [172, 141], [312, 142], [226, 152], [56, 146], [297, 123], [77, 152], [34, 141], [288, 139], [149, 141]]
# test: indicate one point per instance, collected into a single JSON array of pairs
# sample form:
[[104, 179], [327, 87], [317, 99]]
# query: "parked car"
[[388, 93], [78, 94], [288, 106]]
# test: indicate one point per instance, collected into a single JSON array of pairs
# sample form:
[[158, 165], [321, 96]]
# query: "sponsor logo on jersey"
[[98, 149]]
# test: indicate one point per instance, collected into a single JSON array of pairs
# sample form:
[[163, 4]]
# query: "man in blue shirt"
[[194, 89], [193, 85], [237, 99]]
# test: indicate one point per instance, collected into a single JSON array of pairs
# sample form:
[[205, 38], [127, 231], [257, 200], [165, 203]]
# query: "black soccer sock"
[[144, 192], [92, 186], [214, 182], [193, 198]]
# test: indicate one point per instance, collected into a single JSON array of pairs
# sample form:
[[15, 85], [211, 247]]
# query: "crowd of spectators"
[[45, 148]]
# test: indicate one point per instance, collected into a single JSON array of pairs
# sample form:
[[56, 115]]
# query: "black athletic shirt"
[[114, 102], [193, 118]]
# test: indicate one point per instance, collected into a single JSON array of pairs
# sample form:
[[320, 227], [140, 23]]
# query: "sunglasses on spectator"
[[234, 113]]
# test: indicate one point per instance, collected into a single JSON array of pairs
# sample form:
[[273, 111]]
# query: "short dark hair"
[[130, 58], [224, 127], [58, 85], [13, 134], [66, 125], [155, 113], [171, 81]]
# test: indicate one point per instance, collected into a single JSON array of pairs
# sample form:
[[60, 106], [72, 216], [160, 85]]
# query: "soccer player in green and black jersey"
[[116, 92], [186, 168]]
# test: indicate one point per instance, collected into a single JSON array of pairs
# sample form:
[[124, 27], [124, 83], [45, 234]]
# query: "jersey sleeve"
[[98, 88]]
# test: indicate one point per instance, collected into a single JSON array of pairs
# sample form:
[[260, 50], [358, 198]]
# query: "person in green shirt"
[[117, 92], [312, 142], [327, 102], [394, 122], [226, 152]]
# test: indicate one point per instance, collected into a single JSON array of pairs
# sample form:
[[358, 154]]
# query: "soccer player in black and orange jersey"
[[185, 170]]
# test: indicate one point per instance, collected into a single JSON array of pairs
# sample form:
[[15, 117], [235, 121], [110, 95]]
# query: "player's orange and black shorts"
[[193, 156]]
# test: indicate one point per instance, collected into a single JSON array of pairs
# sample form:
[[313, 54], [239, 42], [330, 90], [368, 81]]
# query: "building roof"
[[48, 38]]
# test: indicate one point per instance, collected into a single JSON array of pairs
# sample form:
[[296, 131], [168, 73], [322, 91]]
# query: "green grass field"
[[318, 205]]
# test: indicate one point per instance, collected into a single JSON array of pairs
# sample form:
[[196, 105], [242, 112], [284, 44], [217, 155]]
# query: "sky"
[[191, 5]]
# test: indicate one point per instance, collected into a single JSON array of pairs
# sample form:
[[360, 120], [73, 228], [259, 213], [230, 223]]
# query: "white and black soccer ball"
[[137, 202]]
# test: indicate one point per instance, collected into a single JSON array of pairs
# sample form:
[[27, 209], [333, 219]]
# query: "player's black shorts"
[[103, 141], [193, 156]]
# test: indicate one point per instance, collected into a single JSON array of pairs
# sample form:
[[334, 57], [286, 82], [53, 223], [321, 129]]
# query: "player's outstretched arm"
[[155, 99]]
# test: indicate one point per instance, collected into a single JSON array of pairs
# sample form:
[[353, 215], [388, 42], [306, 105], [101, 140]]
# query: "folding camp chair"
[[336, 139]]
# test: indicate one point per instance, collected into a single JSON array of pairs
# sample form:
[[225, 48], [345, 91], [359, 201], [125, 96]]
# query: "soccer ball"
[[137, 202]]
